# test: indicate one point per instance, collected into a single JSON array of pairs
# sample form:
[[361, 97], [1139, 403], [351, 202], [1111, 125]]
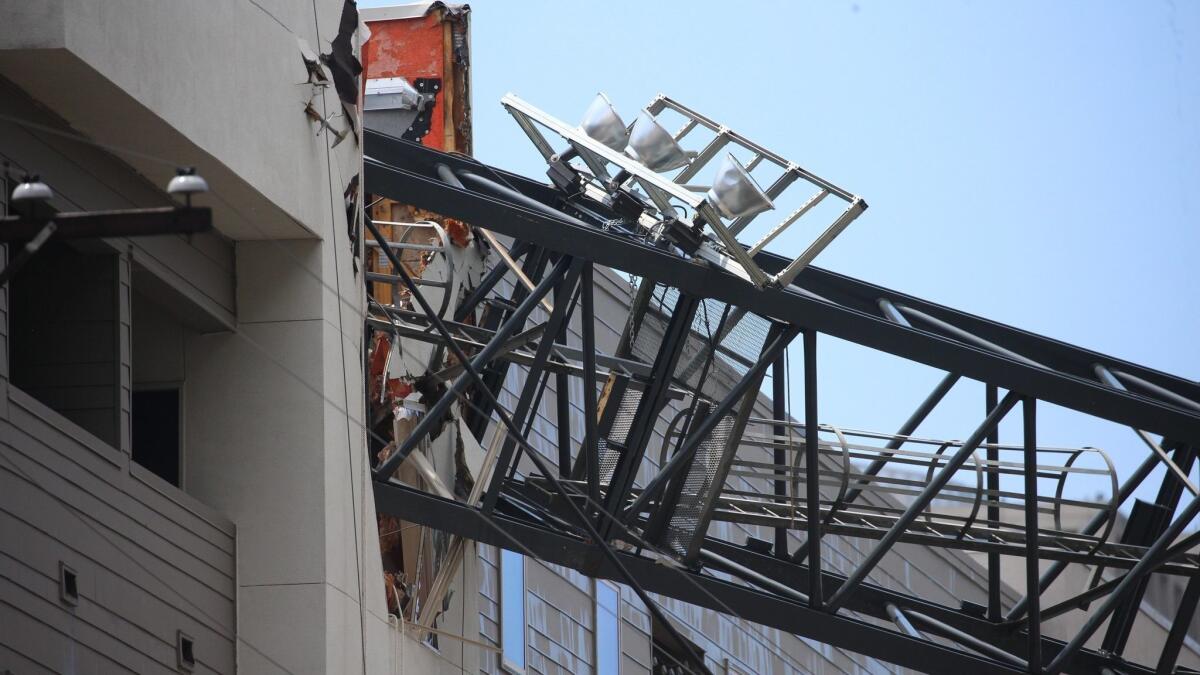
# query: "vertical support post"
[[812, 433], [1034, 625], [991, 396], [780, 412], [563, 399], [591, 452], [562, 394]]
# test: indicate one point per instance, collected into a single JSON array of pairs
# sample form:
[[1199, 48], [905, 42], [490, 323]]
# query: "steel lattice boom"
[[676, 436]]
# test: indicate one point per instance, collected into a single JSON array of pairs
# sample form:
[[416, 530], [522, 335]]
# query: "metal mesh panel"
[[739, 345], [685, 521], [721, 345], [608, 460], [623, 420], [649, 328], [619, 433], [746, 339]]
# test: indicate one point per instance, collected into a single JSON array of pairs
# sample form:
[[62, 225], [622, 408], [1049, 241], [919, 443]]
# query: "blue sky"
[[1034, 163]]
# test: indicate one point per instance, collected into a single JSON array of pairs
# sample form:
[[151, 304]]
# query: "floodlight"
[[32, 189], [735, 193], [602, 123], [654, 146], [633, 182]]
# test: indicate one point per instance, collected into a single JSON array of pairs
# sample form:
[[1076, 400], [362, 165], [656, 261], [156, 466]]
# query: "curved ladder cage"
[[955, 519], [417, 244]]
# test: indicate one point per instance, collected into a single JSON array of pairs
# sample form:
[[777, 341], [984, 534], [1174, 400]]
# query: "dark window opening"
[[155, 437], [63, 335]]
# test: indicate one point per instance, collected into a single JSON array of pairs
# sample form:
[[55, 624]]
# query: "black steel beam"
[[1034, 624], [478, 417], [850, 312], [1131, 579], [812, 470], [122, 223], [779, 410], [872, 600], [558, 548], [1170, 490], [991, 398], [700, 590], [591, 450]]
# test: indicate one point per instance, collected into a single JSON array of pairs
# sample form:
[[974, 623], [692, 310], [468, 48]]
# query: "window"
[[608, 629], [512, 610], [63, 335], [155, 422]]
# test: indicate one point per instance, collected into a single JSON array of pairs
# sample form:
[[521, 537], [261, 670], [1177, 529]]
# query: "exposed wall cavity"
[[341, 59]]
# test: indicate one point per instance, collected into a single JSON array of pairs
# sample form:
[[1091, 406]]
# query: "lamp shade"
[[32, 189], [187, 182], [602, 123], [653, 146], [735, 193]]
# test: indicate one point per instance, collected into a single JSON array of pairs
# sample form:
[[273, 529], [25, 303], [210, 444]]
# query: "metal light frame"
[[662, 189]]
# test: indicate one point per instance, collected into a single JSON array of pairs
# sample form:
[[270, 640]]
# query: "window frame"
[[599, 586], [507, 630]]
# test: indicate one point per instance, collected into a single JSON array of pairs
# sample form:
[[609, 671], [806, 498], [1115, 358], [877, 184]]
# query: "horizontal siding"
[[150, 561]]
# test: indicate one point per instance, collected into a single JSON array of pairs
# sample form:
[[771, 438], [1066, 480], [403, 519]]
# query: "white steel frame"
[[661, 189]]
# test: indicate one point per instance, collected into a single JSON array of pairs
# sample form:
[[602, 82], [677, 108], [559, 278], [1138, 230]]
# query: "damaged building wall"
[[417, 85]]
